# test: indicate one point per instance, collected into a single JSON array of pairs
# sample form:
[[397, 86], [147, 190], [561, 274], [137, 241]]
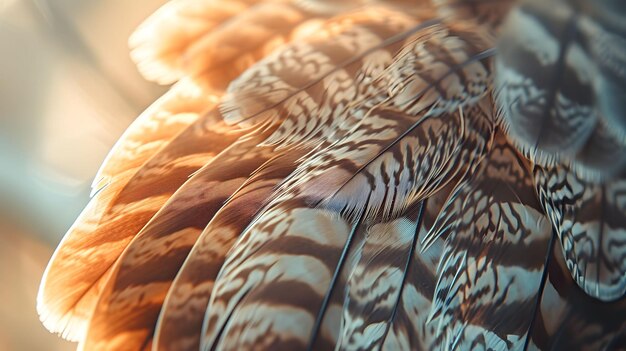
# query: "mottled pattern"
[[336, 175], [591, 222], [493, 259], [560, 78]]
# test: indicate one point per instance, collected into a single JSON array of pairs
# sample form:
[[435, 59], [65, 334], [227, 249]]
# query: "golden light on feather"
[[358, 175]]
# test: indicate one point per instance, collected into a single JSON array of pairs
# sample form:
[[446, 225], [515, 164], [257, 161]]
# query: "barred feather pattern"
[[271, 260], [314, 80], [244, 288], [409, 329], [492, 263], [591, 222], [134, 294], [301, 72], [558, 66], [218, 314], [376, 281], [354, 175], [182, 141], [181, 317], [415, 134]]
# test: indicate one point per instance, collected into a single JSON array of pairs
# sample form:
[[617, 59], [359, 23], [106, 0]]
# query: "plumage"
[[136, 290], [360, 175], [557, 83], [375, 283], [488, 222], [589, 219], [213, 41], [183, 311], [570, 319], [172, 137]]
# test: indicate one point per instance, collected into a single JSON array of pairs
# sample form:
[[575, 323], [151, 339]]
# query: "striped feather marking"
[[590, 220], [560, 83], [492, 266], [180, 321], [78, 268], [129, 305]]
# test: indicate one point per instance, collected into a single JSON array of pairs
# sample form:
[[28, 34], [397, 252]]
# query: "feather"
[[334, 329], [389, 277], [557, 71], [126, 200], [213, 41], [152, 130], [603, 157], [159, 44], [220, 312], [397, 155], [297, 257], [492, 265], [376, 282], [301, 73], [569, 319], [591, 222], [244, 284], [217, 227], [408, 329], [225, 162], [327, 328], [357, 186], [109, 210], [180, 320], [135, 292], [291, 78]]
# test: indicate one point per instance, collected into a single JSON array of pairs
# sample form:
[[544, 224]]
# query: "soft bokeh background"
[[67, 91]]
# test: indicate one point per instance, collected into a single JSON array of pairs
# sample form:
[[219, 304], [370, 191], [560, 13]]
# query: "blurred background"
[[67, 91]]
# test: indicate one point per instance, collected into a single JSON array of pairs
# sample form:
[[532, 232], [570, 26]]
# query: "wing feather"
[[570, 319], [292, 232], [558, 82], [376, 282], [433, 121], [213, 41], [129, 304], [492, 265], [181, 317], [590, 220], [118, 211], [351, 189]]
